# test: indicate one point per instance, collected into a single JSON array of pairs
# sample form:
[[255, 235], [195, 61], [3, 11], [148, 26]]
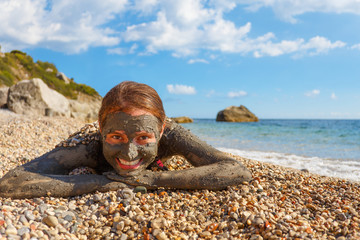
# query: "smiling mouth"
[[128, 164]]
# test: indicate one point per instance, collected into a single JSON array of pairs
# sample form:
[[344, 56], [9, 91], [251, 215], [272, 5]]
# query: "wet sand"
[[279, 203]]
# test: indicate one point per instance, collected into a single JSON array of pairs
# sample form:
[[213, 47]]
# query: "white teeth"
[[129, 163]]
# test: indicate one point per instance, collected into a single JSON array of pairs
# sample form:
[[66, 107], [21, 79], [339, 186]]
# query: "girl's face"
[[130, 141]]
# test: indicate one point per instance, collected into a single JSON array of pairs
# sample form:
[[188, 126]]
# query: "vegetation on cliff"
[[16, 66]]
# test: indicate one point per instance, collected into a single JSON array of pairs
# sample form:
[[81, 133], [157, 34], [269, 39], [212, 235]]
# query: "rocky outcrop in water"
[[236, 114], [182, 119]]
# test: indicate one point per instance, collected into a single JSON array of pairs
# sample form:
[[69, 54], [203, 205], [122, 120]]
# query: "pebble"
[[50, 220], [280, 203], [29, 215], [11, 230], [96, 198], [23, 231], [140, 189]]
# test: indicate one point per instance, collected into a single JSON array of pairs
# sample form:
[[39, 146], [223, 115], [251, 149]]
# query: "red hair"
[[128, 96]]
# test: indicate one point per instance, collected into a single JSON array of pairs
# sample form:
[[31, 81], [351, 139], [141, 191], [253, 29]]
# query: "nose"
[[132, 151]]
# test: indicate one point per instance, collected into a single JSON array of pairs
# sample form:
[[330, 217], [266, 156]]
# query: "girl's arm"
[[214, 170], [47, 175]]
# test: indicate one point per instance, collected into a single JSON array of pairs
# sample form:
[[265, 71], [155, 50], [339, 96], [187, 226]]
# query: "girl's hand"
[[145, 178]]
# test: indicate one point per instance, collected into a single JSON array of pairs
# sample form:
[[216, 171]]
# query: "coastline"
[[279, 203]]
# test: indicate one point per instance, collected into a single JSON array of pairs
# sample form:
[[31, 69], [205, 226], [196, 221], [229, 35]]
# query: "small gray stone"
[[74, 228], [29, 215], [258, 221], [10, 230], [341, 217], [123, 237], [72, 205], [23, 220], [68, 218], [140, 189], [96, 198], [23, 230], [43, 208]]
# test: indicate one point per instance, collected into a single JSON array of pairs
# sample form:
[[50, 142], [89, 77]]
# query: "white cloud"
[[123, 51], [333, 96], [184, 28], [356, 46], [62, 25], [198, 60], [118, 51], [211, 93], [312, 93], [181, 89], [314, 46], [237, 94], [187, 27], [289, 9]]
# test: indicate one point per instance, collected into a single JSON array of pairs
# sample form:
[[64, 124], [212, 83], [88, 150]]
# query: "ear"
[[162, 129], [100, 127]]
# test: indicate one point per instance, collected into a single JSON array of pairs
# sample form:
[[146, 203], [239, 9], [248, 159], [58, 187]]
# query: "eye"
[[145, 138], [115, 138]]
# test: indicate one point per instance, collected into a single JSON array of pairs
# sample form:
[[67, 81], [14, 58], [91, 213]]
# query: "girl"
[[133, 133]]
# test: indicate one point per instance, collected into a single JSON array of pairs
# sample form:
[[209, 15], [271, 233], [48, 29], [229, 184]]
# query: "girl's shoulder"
[[90, 133]]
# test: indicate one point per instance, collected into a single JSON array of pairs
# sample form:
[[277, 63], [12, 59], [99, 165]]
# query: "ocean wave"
[[346, 169]]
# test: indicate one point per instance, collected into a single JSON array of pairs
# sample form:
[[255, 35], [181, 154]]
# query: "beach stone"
[[123, 236], [23, 231], [341, 217], [10, 230], [256, 237], [126, 194], [96, 198], [29, 215], [236, 114], [161, 236], [72, 205], [69, 216], [23, 220], [51, 221], [43, 208], [140, 189]]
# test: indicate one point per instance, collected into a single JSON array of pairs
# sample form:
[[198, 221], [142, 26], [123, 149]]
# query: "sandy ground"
[[280, 203]]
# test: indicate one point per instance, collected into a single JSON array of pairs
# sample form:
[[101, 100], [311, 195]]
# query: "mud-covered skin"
[[130, 150], [213, 170], [47, 175]]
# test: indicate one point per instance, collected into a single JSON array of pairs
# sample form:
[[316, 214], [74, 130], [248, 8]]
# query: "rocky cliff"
[[29, 87]]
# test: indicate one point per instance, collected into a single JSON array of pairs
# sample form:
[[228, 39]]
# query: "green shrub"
[[15, 58], [6, 78]]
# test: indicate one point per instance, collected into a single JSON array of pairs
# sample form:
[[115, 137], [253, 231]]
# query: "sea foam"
[[327, 167]]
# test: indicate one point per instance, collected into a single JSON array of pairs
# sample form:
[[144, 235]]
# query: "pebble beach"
[[279, 203]]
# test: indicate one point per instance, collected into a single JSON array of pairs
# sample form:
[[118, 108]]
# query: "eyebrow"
[[144, 132]]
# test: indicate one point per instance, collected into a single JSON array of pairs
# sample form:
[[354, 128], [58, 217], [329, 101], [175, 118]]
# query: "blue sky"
[[279, 58]]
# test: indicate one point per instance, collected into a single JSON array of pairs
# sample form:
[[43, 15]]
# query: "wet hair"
[[128, 96]]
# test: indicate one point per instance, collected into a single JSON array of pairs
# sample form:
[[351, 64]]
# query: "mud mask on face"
[[129, 156]]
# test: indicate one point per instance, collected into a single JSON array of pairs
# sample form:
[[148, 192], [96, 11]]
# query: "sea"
[[325, 147]]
